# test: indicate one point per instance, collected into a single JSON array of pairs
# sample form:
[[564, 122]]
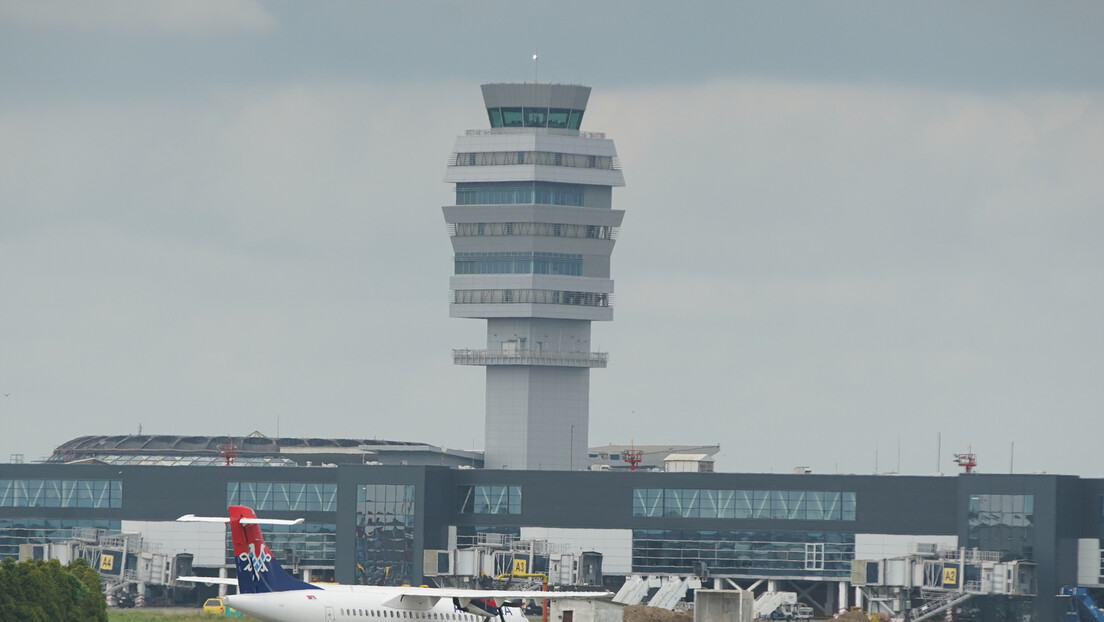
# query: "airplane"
[[267, 592]]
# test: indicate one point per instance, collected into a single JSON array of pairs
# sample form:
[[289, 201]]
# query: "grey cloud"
[[135, 17]]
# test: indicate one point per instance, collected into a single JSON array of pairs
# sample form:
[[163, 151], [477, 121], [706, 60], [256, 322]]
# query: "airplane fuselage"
[[267, 592], [354, 603]]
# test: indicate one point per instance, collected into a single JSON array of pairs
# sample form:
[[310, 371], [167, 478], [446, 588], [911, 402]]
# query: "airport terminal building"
[[395, 524]]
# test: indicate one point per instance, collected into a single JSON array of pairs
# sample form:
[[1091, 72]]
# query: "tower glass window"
[[536, 117], [512, 117], [557, 117], [519, 263], [523, 193]]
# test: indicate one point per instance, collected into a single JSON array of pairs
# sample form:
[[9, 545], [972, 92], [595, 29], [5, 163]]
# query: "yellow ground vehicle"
[[214, 606]]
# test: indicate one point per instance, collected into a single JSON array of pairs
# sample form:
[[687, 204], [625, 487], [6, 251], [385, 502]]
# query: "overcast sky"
[[851, 227]]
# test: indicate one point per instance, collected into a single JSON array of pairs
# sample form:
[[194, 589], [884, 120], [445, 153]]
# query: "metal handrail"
[[529, 357], [582, 133]]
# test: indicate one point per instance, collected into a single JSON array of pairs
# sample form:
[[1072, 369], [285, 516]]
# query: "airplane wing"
[[209, 580], [427, 597], [449, 592], [192, 518]]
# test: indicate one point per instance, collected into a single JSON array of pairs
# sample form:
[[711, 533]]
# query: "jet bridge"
[[513, 562], [127, 565], [1082, 606], [924, 585]]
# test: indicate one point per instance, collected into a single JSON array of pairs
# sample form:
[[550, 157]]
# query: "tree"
[[46, 591], [93, 605]]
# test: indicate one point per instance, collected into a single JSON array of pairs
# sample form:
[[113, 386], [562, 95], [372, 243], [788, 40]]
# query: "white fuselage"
[[355, 603]]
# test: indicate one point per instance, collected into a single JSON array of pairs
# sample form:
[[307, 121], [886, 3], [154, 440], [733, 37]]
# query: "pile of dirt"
[[644, 613], [853, 616]]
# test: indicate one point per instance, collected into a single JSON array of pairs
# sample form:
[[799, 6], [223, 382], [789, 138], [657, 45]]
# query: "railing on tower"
[[530, 357]]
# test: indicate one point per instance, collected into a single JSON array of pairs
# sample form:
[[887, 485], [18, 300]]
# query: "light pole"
[[571, 459]]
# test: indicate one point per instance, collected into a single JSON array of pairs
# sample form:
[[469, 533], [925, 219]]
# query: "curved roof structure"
[[254, 446]]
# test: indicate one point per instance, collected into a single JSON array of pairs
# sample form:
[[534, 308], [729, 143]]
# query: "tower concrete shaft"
[[532, 230]]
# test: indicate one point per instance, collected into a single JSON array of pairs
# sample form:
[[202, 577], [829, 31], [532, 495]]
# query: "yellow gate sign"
[[519, 567], [107, 562], [950, 576]]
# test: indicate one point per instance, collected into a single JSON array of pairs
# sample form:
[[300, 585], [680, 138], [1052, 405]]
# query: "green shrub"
[[46, 591]]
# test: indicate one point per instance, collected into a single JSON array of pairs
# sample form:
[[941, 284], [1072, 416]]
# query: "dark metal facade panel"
[[1065, 508], [603, 499], [1091, 493]]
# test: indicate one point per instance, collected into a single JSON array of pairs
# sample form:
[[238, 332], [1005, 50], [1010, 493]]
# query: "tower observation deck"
[[532, 231]]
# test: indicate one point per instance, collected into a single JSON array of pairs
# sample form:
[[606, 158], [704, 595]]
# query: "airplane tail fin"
[[258, 569]]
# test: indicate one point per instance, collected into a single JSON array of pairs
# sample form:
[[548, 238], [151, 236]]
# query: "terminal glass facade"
[[283, 496], [385, 528], [185, 460], [748, 553], [488, 499], [305, 544], [61, 493], [16, 531], [1004, 523], [772, 504]]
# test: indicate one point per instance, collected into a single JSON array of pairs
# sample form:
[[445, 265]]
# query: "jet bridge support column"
[[222, 586], [841, 592]]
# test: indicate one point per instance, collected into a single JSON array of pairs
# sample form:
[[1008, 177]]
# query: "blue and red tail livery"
[[258, 569]]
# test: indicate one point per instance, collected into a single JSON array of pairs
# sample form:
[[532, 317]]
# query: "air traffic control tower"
[[532, 231]]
